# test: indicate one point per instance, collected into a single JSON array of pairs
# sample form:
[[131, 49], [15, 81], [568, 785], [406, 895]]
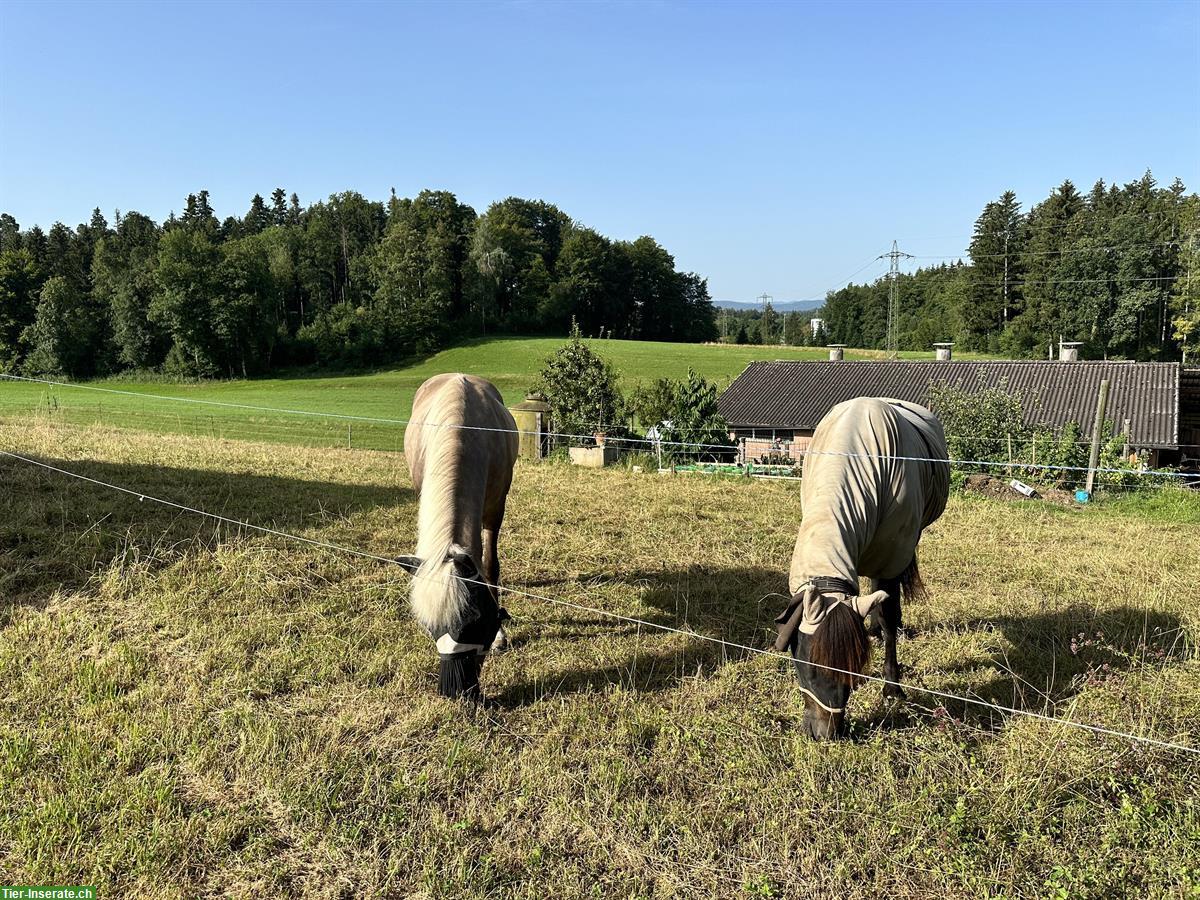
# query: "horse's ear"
[[410, 564], [464, 565], [864, 606], [814, 606]]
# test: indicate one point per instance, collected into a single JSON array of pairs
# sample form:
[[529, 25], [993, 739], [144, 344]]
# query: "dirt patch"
[[1000, 489]]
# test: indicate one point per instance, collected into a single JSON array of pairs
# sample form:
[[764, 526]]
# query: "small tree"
[[769, 325], [581, 389], [654, 403], [695, 419]]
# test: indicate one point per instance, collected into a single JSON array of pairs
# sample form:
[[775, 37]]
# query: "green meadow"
[[511, 363]]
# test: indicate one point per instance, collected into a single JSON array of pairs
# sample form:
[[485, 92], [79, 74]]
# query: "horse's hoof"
[[893, 692]]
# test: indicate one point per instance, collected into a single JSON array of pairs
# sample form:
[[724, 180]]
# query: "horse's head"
[[458, 609], [825, 634]]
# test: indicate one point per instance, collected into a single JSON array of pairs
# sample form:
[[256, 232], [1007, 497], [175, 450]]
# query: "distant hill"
[[779, 306]]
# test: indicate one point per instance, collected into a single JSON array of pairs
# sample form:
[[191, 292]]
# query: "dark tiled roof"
[[797, 394]]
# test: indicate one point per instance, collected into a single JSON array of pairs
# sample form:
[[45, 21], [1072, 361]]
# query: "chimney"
[[836, 351], [1068, 351], [943, 351]]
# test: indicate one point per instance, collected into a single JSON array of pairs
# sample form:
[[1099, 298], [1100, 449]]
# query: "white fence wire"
[[327, 545], [649, 444]]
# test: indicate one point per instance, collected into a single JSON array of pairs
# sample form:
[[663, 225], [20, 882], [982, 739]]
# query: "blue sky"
[[770, 147]]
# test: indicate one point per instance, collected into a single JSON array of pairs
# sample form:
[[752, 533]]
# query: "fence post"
[[1097, 427], [1125, 431], [348, 436], [1010, 448]]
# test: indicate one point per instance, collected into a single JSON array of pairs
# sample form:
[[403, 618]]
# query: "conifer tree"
[[279, 213]]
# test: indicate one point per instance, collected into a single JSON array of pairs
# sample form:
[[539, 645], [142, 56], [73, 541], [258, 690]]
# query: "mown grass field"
[[511, 363], [190, 710]]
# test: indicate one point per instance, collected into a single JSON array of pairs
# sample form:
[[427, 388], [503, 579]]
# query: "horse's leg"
[[888, 613], [491, 569]]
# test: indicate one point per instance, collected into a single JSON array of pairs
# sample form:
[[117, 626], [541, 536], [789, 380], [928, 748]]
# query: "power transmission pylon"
[[893, 319]]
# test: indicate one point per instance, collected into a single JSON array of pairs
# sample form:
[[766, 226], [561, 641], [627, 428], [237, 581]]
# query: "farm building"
[[773, 407]]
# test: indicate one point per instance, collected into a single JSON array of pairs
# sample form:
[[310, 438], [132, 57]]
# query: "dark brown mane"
[[841, 643]]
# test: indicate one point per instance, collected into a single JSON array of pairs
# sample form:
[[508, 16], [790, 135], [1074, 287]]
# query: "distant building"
[[778, 404], [818, 325]]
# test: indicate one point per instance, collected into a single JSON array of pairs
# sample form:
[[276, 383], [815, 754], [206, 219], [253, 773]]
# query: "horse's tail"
[[911, 585]]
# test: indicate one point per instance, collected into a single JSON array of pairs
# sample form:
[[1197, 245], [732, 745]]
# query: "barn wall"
[[757, 443]]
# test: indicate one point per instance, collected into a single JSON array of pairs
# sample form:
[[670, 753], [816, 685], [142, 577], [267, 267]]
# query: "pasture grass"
[[188, 709], [512, 363]]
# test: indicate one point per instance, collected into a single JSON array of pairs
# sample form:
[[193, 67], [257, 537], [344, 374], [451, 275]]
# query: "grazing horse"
[[460, 444], [865, 506]]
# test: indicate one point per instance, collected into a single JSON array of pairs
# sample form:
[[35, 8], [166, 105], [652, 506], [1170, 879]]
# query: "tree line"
[[768, 326], [345, 282], [1117, 269]]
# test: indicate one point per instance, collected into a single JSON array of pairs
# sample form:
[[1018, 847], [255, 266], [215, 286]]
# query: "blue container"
[[1082, 496]]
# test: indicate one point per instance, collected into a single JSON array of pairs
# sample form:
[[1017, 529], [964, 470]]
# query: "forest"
[[1117, 269], [343, 283], [348, 283]]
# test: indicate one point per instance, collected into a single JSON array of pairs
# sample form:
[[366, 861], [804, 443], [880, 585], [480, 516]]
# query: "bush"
[[695, 420], [654, 403], [983, 426], [648, 461], [979, 425]]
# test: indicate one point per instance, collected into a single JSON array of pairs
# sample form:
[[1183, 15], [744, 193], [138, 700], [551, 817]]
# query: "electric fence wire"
[[694, 635], [587, 437]]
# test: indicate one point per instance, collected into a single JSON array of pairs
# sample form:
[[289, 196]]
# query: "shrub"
[[654, 403], [687, 412], [985, 425], [979, 425], [695, 420]]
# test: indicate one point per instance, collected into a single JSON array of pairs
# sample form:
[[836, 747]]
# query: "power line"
[[1024, 253], [843, 282], [1106, 224], [1018, 282], [142, 496]]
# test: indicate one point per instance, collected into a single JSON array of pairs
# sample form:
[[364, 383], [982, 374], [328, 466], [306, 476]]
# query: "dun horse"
[[865, 507], [460, 445]]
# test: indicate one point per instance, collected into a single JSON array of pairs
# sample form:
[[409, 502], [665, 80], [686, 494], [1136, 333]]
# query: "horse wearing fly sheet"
[[875, 475], [460, 445]]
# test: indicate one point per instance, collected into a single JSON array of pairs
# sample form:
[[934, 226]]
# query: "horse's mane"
[[841, 643], [450, 465], [438, 597]]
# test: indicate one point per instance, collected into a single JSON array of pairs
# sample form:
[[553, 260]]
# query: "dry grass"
[[186, 710]]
